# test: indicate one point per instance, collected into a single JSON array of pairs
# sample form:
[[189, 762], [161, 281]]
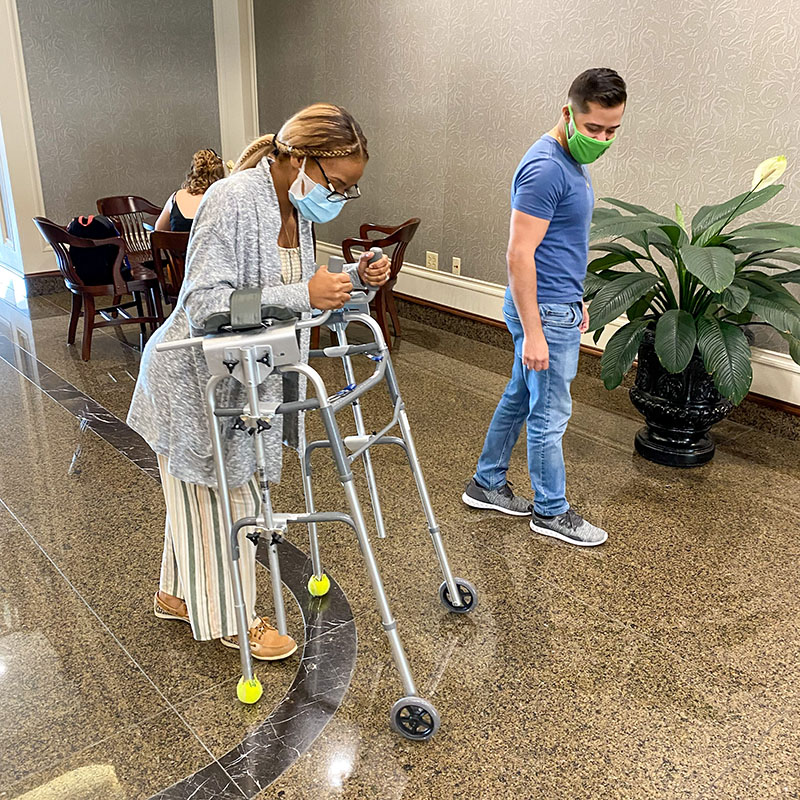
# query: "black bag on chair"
[[94, 265]]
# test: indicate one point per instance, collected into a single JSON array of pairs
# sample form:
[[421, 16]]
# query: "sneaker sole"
[[235, 646], [473, 503], [557, 535]]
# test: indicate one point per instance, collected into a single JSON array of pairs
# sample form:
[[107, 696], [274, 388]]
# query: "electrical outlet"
[[431, 260], [456, 266]]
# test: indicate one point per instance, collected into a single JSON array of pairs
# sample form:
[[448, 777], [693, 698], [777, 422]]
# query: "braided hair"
[[321, 130]]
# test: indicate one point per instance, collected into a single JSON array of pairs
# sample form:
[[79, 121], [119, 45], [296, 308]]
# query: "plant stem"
[[664, 277]]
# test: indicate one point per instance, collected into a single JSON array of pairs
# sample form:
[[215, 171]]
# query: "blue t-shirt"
[[550, 184]]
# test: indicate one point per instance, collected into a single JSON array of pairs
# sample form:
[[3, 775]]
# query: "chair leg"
[[380, 314], [155, 292], [115, 301], [88, 326], [314, 345], [137, 298], [392, 310], [77, 302]]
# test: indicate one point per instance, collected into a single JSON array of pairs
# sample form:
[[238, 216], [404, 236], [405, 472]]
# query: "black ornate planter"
[[679, 410]]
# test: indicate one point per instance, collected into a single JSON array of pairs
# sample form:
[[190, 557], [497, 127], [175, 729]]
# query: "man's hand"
[[584, 326], [535, 352]]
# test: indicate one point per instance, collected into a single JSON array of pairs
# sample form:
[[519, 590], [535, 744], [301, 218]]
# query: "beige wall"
[[452, 93], [121, 95]]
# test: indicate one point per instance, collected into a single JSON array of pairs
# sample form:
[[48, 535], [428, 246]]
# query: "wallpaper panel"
[[121, 95], [451, 94]]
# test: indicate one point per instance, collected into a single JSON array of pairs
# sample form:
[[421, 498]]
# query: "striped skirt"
[[195, 566]]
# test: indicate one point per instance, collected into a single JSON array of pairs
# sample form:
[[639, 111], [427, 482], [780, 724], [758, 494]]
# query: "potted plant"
[[687, 293]]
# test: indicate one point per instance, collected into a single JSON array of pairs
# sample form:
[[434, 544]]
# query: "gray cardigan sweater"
[[233, 244]]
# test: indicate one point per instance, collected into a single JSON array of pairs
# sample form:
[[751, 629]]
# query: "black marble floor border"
[[329, 652]]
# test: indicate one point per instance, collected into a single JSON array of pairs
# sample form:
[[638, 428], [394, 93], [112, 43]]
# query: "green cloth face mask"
[[583, 148]]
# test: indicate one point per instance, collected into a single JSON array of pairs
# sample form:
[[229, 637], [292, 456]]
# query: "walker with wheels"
[[252, 343]]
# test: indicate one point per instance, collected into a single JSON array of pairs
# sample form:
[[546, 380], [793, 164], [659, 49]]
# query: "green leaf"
[[617, 295], [597, 334], [620, 351], [620, 249], [734, 297], [745, 318], [789, 277], [676, 337], [767, 283], [621, 227], [752, 245], [776, 309], [674, 231], [601, 214], [714, 266], [634, 209], [606, 261], [791, 258], [597, 280], [679, 216], [794, 347], [709, 218], [726, 356], [641, 306], [788, 235]]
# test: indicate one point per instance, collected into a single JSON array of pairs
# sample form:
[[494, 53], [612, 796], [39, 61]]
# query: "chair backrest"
[[63, 242], [398, 236], [129, 214], [169, 259]]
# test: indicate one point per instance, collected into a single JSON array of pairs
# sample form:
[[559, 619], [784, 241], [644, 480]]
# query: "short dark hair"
[[600, 85]]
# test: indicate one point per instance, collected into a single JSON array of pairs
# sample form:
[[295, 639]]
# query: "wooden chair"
[[169, 261], [141, 282], [129, 213], [398, 238]]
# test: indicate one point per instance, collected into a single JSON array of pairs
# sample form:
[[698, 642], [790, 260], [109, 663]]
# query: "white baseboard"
[[774, 374]]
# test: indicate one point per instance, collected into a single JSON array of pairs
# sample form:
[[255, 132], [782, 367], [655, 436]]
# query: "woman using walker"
[[252, 229]]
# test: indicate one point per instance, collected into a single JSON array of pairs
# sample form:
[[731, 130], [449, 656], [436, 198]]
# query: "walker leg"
[[277, 591], [249, 689], [433, 527], [374, 499], [388, 622], [318, 584]]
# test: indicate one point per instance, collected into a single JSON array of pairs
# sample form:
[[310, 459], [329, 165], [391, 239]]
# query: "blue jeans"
[[543, 400]]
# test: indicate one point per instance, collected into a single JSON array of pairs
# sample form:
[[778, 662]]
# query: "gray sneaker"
[[569, 527], [503, 500]]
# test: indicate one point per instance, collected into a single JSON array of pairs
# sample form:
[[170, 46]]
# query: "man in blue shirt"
[[551, 202]]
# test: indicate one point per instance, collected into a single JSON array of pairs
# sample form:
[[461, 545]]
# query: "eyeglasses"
[[339, 197]]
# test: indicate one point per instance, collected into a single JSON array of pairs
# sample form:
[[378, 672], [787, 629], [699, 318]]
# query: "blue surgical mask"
[[311, 199]]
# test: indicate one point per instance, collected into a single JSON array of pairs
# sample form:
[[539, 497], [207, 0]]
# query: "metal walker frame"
[[253, 343]]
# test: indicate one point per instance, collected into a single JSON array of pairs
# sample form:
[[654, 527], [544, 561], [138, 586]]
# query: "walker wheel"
[[468, 593], [249, 692], [319, 587], [414, 718]]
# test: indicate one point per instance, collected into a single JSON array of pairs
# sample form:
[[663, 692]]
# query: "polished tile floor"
[[664, 664]]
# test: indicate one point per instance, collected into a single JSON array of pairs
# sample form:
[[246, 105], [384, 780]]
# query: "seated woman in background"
[[179, 211]]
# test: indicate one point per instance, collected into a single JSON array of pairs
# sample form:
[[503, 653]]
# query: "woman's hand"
[[373, 274], [329, 290]]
